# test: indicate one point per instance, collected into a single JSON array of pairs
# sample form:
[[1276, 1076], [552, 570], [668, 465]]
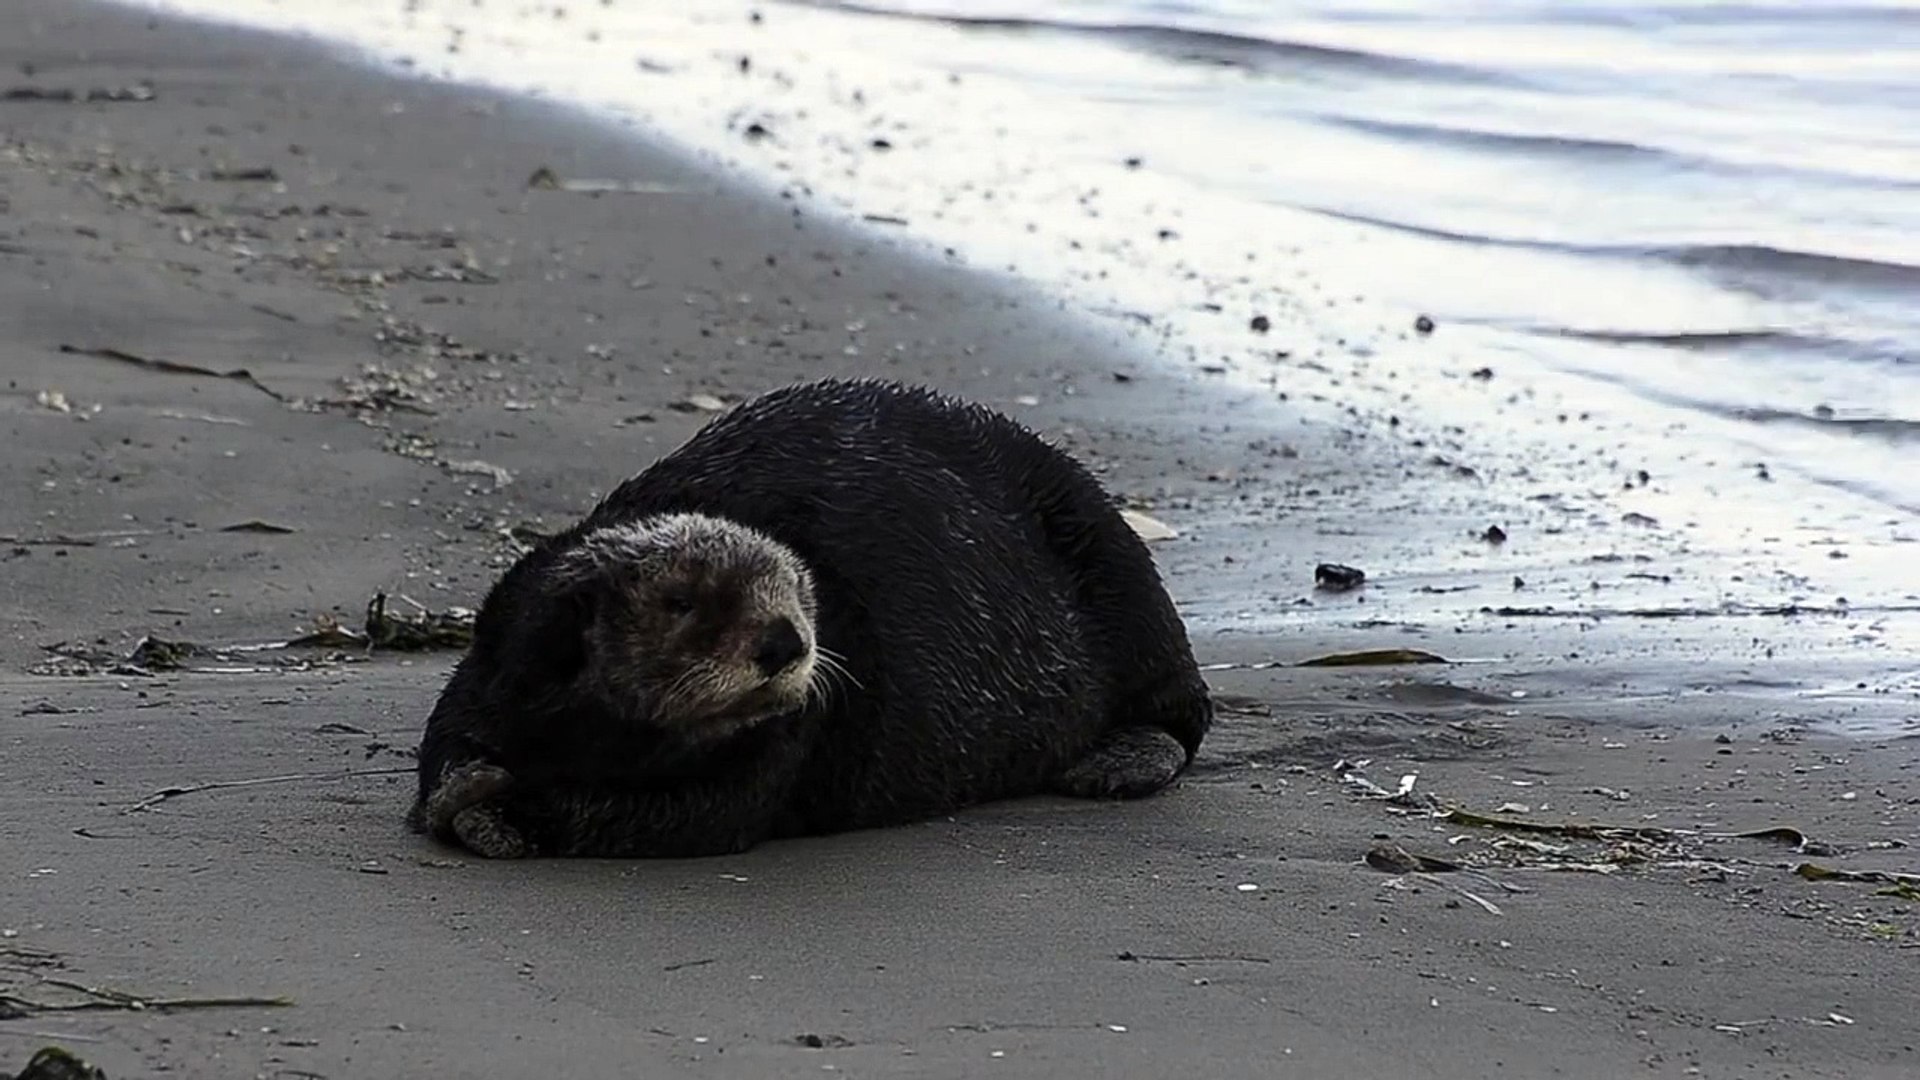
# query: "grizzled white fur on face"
[[704, 624]]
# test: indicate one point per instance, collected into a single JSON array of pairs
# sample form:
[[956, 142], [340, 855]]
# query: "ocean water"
[[1712, 204], [1696, 219]]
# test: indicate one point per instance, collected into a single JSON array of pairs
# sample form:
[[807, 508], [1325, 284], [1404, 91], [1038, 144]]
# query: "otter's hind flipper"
[[1125, 763]]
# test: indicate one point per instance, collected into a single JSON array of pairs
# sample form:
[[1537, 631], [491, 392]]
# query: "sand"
[[1231, 927]]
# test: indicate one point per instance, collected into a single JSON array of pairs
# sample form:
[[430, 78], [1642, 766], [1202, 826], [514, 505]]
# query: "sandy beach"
[[281, 334]]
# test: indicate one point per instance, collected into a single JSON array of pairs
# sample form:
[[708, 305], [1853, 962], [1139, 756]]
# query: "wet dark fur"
[[1006, 632]]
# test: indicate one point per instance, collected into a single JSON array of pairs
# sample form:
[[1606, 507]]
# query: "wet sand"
[[1232, 927]]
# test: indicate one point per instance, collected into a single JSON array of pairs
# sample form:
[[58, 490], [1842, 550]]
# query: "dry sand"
[[1233, 927]]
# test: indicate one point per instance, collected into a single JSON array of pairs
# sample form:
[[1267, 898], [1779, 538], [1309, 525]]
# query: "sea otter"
[[843, 604]]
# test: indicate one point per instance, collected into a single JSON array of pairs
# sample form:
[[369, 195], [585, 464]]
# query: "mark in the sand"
[[66, 95], [166, 793], [1191, 958], [245, 174], [1725, 611]]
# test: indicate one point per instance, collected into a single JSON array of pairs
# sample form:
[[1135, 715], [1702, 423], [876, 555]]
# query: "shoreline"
[[1528, 419], [554, 321]]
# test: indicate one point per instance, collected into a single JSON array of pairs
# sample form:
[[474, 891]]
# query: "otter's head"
[[701, 625]]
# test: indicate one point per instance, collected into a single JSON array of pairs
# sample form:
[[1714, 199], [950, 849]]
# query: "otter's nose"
[[780, 646]]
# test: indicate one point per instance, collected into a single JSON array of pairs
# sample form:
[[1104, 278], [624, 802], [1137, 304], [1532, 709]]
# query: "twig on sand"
[[95, 998], [76, 539], [1195, 958], [164, 794], [174, 367]]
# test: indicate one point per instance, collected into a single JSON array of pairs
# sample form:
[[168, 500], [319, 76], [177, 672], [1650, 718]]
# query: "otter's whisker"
[[682, 690], [669, 695], [821, 686], [829, 676], [838, 664]]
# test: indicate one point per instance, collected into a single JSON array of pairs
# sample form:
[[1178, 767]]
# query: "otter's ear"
[[555, 614]]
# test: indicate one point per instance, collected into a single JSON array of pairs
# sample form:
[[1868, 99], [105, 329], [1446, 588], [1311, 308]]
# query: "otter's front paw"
[[462, 787], [484, 830]]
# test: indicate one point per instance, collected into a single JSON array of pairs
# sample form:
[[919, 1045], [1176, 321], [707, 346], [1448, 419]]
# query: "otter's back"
[[971, 674]]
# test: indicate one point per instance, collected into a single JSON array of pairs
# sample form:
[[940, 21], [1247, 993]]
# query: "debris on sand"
[[255, 525], [529, 534], [1183, 959], [149, 655], [172, 367], [500, 475], [384, 390], [1350, 774], [1904, 886], [329, 634], [1606, 848], [417, 631], [699, 403], [1375, 658], [1574, 830], [1395, 859], [1147, 528], [158, 654], [420, 630], [1363, 658], [1334, 577], [545, 178]]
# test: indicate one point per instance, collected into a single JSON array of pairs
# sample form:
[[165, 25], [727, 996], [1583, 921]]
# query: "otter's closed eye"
[[676, 602]]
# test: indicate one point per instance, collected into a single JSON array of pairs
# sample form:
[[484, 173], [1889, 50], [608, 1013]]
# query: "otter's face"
[[701, 625]]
